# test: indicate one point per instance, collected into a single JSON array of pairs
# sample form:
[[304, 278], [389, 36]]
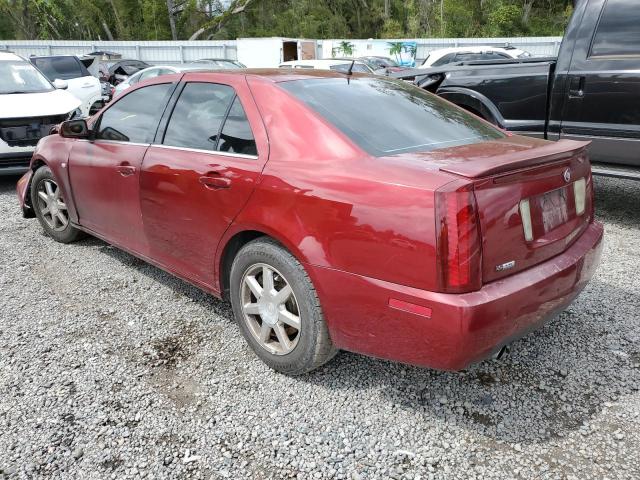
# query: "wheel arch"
[[475, 102], [237, 237]]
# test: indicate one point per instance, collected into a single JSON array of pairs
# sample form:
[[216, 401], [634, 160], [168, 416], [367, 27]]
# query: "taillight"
[[458, 242]]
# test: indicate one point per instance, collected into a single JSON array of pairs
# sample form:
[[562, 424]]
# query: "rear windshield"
[[63, 68], [387, 117]]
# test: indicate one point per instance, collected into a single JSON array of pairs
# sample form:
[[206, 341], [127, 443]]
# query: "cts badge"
[[505, 266], [567, 175]]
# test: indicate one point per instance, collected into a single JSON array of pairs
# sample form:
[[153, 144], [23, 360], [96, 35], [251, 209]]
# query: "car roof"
[[10, 56], [277, 75]]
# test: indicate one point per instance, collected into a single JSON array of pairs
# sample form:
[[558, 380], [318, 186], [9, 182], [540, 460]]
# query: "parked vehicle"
[[335, 64], [384, 64], [116, 71], [590, 92], [81, 84], [29, 106], [446, 56], [424, 235], [222, 63], [156, 71]]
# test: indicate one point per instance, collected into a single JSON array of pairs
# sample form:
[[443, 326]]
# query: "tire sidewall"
[[70, 233], [301, 358]]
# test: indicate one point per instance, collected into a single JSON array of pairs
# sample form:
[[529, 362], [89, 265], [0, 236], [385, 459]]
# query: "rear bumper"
[[462, 329]]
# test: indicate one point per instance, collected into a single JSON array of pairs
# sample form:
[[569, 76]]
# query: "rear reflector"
[[410, 307], [525, 215], [579, 194]]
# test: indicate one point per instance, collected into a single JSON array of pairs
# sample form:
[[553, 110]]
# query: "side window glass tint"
[[444, 60], [198, 116], [134, 118], [618, 32], [236, 136]]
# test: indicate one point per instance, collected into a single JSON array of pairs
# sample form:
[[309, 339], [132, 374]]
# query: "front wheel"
[[278, 310], [51, 208]]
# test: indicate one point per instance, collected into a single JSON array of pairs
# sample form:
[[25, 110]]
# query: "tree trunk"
[[172, 19], [119, 25], [387, 8], [526, 11]]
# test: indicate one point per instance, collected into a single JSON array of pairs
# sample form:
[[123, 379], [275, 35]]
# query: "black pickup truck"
[[591, 91]]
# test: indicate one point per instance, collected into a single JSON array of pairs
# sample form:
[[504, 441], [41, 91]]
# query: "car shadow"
[[552, 382]]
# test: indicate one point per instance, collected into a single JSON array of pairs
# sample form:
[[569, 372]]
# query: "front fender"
[[474, 101], [22, 190]]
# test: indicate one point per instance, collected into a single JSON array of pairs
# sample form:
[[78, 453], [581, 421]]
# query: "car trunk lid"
[[533, 200]]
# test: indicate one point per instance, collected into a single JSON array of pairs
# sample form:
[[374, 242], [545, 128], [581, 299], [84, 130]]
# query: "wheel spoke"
[[43, 196], [62, 205], [289, 318], [283, 338], [54, 221], [267, 279], [254, 286], [251, 309], [62, 218], [44, 211], [283, 295], [49, 188], [56, 195], [265, 332]]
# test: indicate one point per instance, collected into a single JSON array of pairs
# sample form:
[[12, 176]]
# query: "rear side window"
[[134, 118], [63, 68], [387, 117], [448, 58], [618, 32], [236, 135], [198, 116], [344, 67]]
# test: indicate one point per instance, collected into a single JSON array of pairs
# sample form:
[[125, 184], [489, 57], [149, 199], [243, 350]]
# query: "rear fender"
[[475, 102]]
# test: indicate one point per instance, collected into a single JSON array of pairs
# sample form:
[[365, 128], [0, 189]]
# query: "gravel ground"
[[111, 368]]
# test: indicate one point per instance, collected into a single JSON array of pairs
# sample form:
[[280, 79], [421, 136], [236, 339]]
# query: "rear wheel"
[[277, 309], [51, 208]]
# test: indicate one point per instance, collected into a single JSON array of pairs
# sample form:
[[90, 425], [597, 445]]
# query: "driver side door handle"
[[125, 170]]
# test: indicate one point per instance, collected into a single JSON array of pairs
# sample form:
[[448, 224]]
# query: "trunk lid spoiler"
[[510, 162]]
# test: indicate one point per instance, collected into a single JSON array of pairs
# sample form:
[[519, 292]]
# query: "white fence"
[[151, 52], [187, 51]]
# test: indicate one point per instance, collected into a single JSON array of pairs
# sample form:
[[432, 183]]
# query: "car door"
[[602, 96], [105, 170], [201, 172]]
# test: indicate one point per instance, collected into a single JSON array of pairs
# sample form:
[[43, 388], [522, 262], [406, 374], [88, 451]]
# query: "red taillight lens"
[[459, 249]]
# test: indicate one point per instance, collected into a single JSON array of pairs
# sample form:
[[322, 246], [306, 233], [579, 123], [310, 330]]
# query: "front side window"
[[387, 117], [21, 77], [134, 118], [63, 68], [618, 32]]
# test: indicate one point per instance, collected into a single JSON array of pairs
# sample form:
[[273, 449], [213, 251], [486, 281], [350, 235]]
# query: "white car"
[[337, 64], [156, 71], [81, 84], [444, 56], [29, 106]]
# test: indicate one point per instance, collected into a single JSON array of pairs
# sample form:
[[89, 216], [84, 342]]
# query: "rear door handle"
[[576, 86], [215, 182], [126, 170]]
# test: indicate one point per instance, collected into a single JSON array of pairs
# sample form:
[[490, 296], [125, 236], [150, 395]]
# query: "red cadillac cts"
[[333, 211]]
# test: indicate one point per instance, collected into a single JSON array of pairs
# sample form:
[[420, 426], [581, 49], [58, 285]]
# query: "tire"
[[305, 348], [43, 184]]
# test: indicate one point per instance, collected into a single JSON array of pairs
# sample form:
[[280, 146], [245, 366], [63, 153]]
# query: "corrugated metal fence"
[[151, 52], [185, 51]]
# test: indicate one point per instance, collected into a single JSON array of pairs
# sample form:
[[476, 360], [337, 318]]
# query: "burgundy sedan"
[[333, 211]]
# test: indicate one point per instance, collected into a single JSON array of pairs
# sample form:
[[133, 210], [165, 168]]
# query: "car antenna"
[[350, 70]]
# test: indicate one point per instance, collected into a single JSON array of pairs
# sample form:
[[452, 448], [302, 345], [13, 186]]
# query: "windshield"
[[387, 117], [21, 77]]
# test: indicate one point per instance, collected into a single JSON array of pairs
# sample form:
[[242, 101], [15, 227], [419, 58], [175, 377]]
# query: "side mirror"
[[74, 129], [60, 84]]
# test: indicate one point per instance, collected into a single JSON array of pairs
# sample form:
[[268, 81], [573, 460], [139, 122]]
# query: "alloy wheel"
[[52, 206], [270, 309]]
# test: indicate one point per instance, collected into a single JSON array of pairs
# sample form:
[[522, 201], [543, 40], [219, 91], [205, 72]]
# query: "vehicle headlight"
[[77, 113]]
